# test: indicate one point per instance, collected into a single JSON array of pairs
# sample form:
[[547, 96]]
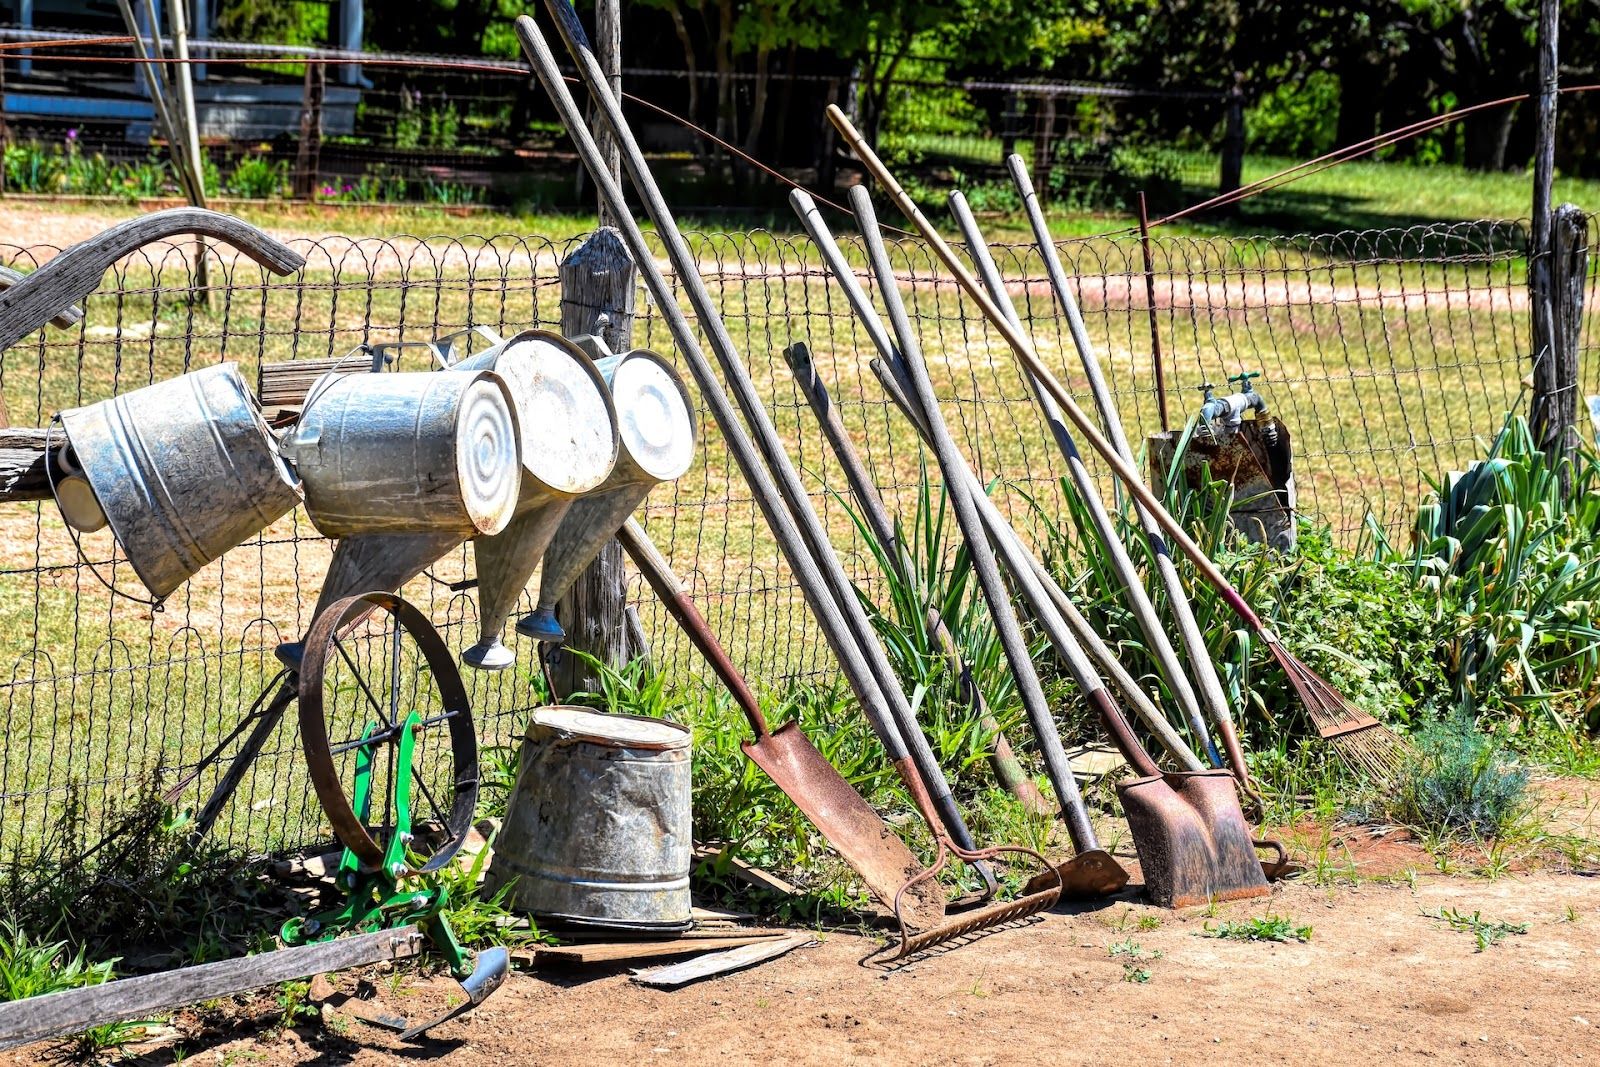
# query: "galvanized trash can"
[[598, 829], [183, 470]]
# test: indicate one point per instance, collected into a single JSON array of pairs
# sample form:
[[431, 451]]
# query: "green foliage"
[[1107, 174], [1295, 117], [1460, 782], [1268, 927], [928, 567], [257, 177], [32, 967], [478, 920], [1513, 562], [1486, 932]]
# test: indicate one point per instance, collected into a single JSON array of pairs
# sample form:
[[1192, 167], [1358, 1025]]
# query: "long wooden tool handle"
[[658, 574], [1030, 361]]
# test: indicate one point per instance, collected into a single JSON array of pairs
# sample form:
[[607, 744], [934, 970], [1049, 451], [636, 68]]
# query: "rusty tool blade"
[[1090, 874], [844, 819], [1194, 846], [855, 831]]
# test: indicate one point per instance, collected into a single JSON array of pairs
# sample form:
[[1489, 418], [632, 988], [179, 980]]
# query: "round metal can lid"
[[621, 731]]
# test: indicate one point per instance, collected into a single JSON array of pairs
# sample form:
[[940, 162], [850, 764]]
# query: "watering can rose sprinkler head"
[[656, 436]]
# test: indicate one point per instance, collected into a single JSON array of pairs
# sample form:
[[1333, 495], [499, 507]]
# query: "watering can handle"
[[76, 272]]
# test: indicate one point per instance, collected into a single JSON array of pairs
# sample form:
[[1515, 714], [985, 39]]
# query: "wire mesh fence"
[[1389, 354]]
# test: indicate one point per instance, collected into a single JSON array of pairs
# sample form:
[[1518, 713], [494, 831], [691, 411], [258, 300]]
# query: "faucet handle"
[[1243, 378], [1206, 389]]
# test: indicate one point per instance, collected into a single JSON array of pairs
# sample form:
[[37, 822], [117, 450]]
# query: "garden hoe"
[[828, 593], [789, 758], [1322, 700]]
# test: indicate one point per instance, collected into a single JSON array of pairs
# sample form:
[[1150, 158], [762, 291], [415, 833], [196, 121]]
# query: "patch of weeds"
[[96, 1041], [294, 1004], [1134, 957], [478, 920], [1570, 914], [1487, 931], [1268, 927], [31, 967], [1460, 784]]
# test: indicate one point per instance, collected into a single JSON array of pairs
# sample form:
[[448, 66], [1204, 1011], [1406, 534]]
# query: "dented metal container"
[[408, 453], [598, 830], [183, 470]]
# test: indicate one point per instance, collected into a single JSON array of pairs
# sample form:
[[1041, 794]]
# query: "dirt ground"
[[1378, 980]]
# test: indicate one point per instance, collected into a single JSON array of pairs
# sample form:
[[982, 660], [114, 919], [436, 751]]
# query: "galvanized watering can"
[[408, 453], [567, 446], [182, 470], [655, 422], [569, 449]]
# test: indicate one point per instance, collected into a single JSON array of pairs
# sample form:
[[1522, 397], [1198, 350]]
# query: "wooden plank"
[[23, 1022], [715, 963], [578, 935], [619, 951], [749, 875]]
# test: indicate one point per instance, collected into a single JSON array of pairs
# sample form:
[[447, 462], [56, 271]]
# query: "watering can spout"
[[569, 448], [656, 440]]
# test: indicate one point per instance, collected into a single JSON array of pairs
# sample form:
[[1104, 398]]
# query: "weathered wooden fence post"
[[1232, 168], [1555, 284], [1557, 256], [597, 294]]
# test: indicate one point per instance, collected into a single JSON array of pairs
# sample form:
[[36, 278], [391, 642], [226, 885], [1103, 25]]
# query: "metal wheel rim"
[[319, 646]]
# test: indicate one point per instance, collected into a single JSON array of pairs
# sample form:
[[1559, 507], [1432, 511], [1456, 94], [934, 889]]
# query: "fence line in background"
[[1389, 354]]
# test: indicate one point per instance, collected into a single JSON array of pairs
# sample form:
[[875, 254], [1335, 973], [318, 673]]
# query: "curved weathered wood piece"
[[74, 274], [64, 319]]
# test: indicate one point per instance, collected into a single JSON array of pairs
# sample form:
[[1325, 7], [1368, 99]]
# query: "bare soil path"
[[1378, 981]]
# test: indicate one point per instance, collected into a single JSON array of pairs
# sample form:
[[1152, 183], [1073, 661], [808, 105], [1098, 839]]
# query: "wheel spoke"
[[444, 820], [360, 681]]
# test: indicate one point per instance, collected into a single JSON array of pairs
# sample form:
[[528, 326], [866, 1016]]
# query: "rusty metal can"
[[598, 830], [415, 452], [183, 470]]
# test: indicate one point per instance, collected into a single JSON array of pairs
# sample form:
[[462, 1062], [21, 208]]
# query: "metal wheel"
[[372, 662]]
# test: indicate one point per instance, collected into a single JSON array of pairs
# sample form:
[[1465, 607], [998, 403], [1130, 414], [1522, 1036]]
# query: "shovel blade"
[[1193, 843], [1086, 876], [856, 832]]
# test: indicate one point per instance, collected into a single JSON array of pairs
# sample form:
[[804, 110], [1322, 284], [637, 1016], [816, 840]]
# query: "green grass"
[[1268, 927], [1485, 932]]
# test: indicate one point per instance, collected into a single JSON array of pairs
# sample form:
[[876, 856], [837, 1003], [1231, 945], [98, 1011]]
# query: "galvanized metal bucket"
[[408, 453], [183, 470], [569, 447], [598, 830], [656, 431]]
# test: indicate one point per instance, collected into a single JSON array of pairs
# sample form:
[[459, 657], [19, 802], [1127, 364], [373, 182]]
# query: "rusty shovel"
[[789, 758]]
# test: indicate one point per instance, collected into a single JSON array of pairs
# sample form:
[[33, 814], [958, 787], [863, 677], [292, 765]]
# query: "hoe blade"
[[1193, 843], [1086, 876], [858, 833]]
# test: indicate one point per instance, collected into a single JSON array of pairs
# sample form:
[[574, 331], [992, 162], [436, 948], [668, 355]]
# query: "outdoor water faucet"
[[1229, 410]]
